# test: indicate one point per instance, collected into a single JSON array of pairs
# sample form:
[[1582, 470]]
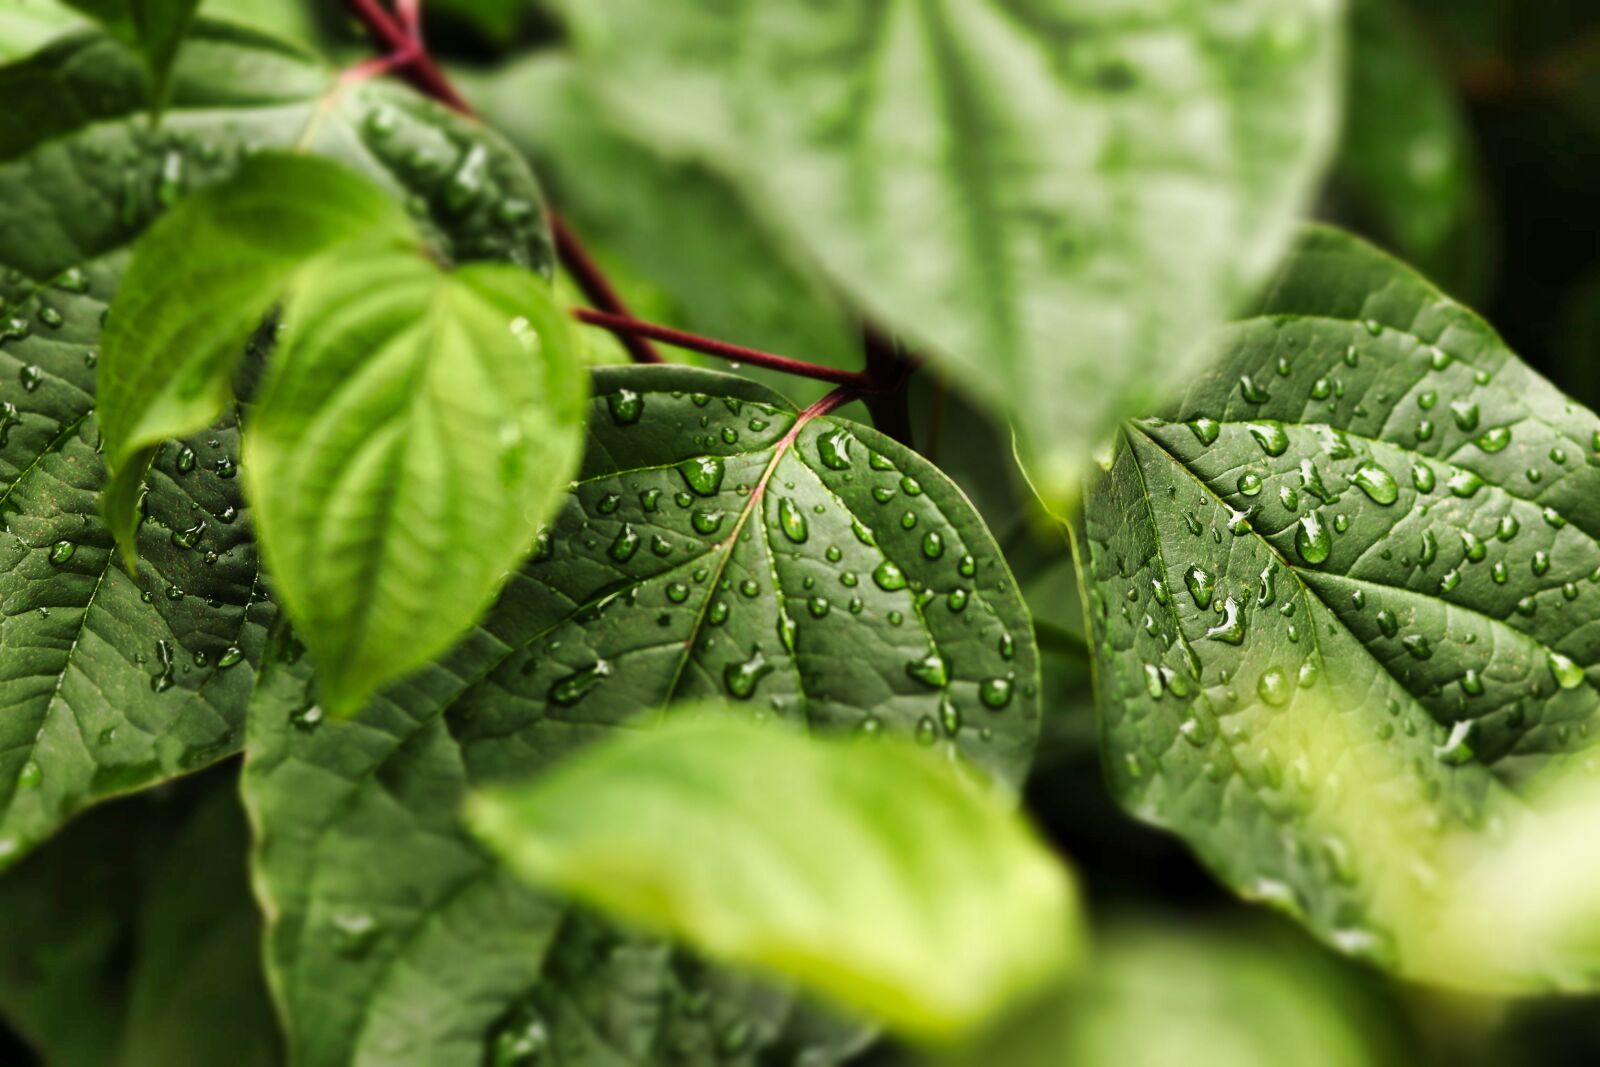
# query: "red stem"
[[414, 64], [624, 326]]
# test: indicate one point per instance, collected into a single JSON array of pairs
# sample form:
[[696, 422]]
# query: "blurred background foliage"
[[1472, 150]]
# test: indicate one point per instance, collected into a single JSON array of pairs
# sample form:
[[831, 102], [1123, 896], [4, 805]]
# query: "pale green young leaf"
[[111, 681], [414, 432], [874, 874], [27, 24], [1056, 199], [1340, 596], [200, 282]]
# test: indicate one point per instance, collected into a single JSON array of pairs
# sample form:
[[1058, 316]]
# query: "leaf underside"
[[1339, 597]]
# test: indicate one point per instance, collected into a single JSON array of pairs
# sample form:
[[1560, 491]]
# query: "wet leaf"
[[1340, 593], [854, 869]]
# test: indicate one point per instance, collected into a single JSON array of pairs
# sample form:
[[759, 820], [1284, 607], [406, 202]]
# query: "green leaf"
[[411, 438], [154, 27], [27, 24], [1407, 162], [855, 869], [1341, 596], [143, 911], [676, 224], [1229, 995], [392, 929], [394, 939], [917, 153], [110, 683], [200, 282]]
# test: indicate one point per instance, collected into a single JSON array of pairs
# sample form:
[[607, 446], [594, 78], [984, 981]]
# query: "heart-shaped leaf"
[[1341, 596], [413, 433], [393, 934]]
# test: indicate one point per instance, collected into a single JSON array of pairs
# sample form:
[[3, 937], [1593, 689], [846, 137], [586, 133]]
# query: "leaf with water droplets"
[[1418, 668], [804, 882], [1046, 272], [110, 682], [412, 435]]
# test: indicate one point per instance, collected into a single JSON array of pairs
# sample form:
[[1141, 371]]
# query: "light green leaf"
[[1055, 198], [200, 282], [1226, 996], [110, 682], [412, 436], [1341, 596], [859, 870], [1407, 163], [141, 910], [676, 224], [391, 929], [394, 939], [27, 24]]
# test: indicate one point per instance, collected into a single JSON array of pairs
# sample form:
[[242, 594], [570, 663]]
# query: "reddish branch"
[[882, 385], [625, 327]]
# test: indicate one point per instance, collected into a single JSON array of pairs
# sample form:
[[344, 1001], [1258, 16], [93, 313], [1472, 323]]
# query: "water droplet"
[[818, 606], [966, 566], [1472, 682], [1271, 436], [62, 551], [1465, 412], [1457, 748], [1568, 675], [1464, 483], [792, 520], [1249, 483], [1230, 630], [930, 670], [1273, 687], [889, 576], [574, 687], [1494, 440], [231, 656], [1418, 645], [1205, 430], [1201, 586], [625, 544], [1312, 540], [995, 692], [932, 544], [186, 460], [706, 522], [742, 678], [1377, 483], [833, 448], [957, 600], [1252, 391], [703, 474]]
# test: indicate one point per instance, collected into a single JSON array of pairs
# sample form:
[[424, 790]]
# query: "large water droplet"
[[1312, 540], [703, 474], [741, 678], [574, 687], [995, 692], [833, 448], [1201, 586], [930, 670], [792, 520], [1271, 436], [1568, 675], [1377, 483], [1230, 630], [1273, 687], [889, 576]]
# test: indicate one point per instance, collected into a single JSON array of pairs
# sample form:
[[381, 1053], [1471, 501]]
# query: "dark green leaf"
[[386, 911], [854, 869], [155, 27], [412, 436], [200, 282], [141, 911], [1407, 160], [110, 683], [1055, 197], [394, 939], [1341, 600]]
